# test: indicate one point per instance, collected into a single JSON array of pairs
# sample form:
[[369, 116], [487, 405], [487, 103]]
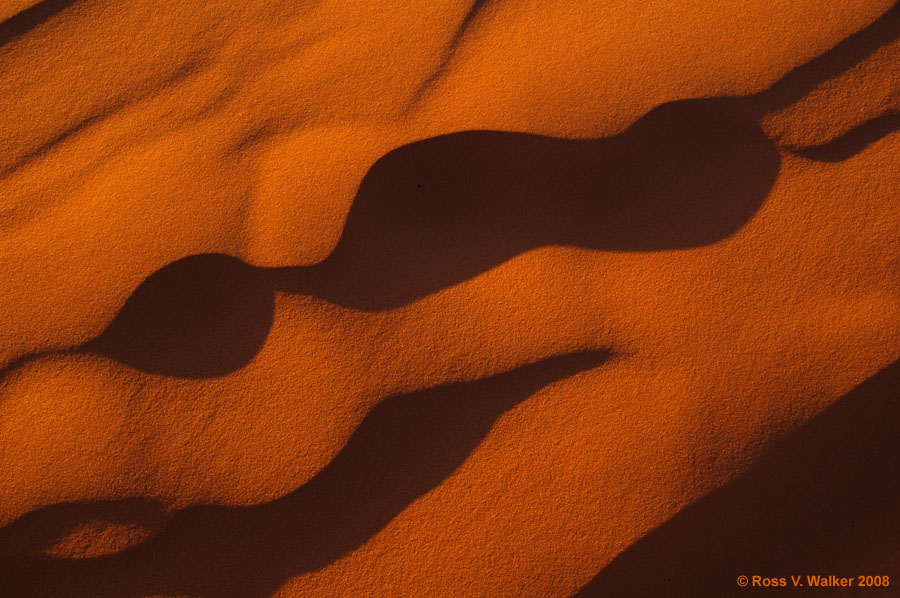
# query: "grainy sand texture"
[[492, 298]]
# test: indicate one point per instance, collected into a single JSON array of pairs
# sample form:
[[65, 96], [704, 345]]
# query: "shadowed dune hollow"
[[823, 500], [406, 446], [438, 212]]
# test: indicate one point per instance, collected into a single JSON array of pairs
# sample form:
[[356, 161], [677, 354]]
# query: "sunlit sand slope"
[[467, 299]]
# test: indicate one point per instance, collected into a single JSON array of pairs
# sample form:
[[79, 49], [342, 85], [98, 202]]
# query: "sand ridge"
[[177, 99]]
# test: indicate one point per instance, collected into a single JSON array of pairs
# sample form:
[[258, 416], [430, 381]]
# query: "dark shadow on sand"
[[406, 446], [40, 530], [854, 141], [22, 22], [199, 317], [437, 212], [825, 501], [430, 215]]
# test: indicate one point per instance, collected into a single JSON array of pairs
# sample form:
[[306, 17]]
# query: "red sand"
[[446, 299]]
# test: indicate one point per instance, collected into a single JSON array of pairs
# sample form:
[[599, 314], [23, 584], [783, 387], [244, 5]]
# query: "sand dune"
[[457, 299]]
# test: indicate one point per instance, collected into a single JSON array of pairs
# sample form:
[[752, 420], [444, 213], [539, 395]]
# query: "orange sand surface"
[[496, 298]]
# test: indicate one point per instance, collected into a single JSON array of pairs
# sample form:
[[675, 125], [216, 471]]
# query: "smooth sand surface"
[[491, 298]]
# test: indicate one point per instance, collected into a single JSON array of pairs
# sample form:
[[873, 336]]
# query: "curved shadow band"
[[822, 502], [435, 213], [22, 22], [406, 446]]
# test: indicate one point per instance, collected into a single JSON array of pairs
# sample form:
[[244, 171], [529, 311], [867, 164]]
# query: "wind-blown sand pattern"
[[491, 298]]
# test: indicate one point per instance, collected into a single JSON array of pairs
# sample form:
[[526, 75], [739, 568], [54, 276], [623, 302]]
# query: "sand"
[[308, 299]]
